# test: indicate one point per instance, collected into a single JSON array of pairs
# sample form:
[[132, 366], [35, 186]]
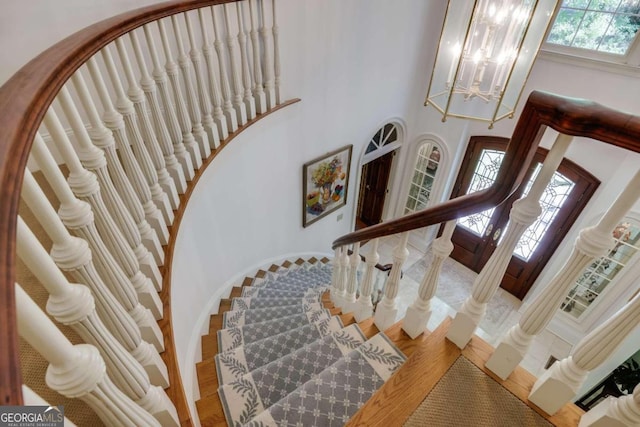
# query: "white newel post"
[[78, 217], [149, 140], [276, 54], [623, 411], [387, 310], [192, 97], [74, 305], [76, 371], [171, 119], [115, 123], [364, 305], [559, 384], [93, 159], [249, 102], [258, 89], [352, 280], [269, 83], [72, 254], [173, 167], [523, 213], [188, 133], [418, 314], [85, 186], [335, 273], [214, 84], [137, 161], [229, 112], [238, 90], [201, 83], [123, 203]]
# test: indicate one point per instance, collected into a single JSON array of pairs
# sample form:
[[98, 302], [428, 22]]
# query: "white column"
[[352, 280], [387, 310], [549, 392], [203, 92], [364, 306], [73, 305], [138, 161], [623, 411], [249, 101], [238, 90], [116, 124], [418, 314], [174, 168], [149, 140], [229, 112], [207, 50], [276, 54], [269, 82], [122, 202], [171, 119], [72, 254], [192, 97], [76, 371], [258, 90], [85, 186], [188, 133], [78, 217], [93, 159], [523, 213]]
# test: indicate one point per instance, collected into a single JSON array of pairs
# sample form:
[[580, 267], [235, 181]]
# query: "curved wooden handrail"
[[571, 116], [24, 99]]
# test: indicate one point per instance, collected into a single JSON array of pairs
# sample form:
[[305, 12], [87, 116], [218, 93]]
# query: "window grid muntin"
[[424, 173]]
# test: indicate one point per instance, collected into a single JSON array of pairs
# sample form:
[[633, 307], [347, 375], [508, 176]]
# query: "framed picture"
[[324, 184]]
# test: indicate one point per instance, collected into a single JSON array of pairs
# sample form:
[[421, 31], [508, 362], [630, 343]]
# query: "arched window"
[[424, 174], [386, 135]]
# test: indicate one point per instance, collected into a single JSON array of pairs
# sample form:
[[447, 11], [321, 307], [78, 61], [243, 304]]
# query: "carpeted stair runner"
[[284, 361]]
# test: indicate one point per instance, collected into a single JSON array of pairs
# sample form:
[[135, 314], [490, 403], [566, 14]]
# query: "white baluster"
[[249, 102], [149, 140], [238, 90], [78, 217], [352, 281], [418, 314], [335, 274], [229, 112], [137, 163], [192, 97], [85, 186], [188, 137], [258, 90], [269, 83], [523, 213], [387, 310], [72, 254], [560, 383], [74, 305], [93, 159], [161, 131], [343, 277], [623, 411], [364, 306], [179, 139], [276, 54], [114, 121], [207, 50], [203, 92], [76, 371], [123, 203], [31, 398]]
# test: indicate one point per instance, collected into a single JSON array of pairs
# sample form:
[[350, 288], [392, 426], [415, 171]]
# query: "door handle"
[[496, 235], [368, 187]]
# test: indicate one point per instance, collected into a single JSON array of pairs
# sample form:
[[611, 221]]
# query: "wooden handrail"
[[571, 116], [24, 99]]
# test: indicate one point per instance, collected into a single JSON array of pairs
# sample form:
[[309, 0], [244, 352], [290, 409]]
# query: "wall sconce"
[[485, 54]]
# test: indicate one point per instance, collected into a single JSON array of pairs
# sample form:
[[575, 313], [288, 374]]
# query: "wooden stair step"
[[209, 345], [236, 292], [248, 281], [210, 411], [215, 323], [207, 377]]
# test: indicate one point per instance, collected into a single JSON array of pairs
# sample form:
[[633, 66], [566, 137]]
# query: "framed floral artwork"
[[324, 184]]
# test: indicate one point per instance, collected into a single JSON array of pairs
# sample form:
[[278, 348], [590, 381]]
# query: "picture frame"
[[325, 182]]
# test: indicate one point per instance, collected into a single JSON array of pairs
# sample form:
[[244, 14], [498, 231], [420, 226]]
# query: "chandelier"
[[485, 54]]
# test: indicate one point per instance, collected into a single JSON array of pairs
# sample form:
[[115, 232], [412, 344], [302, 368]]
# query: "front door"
[[373, 189], [476, 236]]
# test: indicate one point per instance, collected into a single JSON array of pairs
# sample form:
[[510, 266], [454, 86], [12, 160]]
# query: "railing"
[[137, 106], [569, 117]]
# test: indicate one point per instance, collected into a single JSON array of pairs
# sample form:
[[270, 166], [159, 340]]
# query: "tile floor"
[[455, 286]]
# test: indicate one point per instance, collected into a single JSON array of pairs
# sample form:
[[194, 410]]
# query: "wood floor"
[[428, 358]]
